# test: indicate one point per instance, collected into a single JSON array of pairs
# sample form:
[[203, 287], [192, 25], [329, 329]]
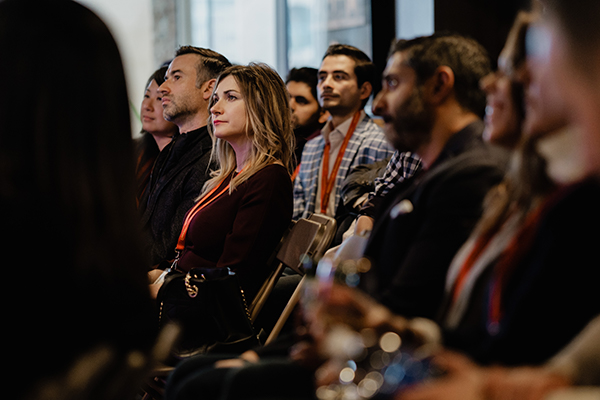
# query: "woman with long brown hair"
[[245, 208]]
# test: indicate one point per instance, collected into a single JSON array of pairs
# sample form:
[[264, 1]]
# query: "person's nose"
[[147, 104], [292, 104], [163, 88], [216, 108], [379, 103], [325, 82]]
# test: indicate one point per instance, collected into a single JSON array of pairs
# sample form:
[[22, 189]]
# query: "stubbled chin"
[[390, 134]]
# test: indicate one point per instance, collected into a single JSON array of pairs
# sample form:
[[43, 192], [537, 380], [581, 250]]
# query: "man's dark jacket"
[[177, 178], [423, 221]]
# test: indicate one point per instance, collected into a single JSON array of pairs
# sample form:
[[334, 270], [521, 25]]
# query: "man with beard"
[[307, 115], [184, 164], [431, 105]]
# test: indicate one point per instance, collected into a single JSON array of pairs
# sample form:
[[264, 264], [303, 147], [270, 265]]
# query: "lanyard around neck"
[[479, 246], [202, 203], [328, 179]]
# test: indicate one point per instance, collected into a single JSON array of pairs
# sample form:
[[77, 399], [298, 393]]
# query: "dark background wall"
[[487, 21], [383, 14]]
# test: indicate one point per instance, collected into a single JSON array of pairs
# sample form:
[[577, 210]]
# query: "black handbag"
[[210, 308]]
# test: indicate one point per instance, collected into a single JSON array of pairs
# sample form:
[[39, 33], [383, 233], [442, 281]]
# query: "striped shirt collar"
[[342, 129]]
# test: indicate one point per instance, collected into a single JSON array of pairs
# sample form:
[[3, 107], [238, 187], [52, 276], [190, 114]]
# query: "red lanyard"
[[295, 174], [327, 179], [480, 244], [203, 202], [515, 252]]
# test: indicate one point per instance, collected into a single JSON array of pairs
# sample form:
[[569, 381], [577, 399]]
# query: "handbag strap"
[[191, 289]]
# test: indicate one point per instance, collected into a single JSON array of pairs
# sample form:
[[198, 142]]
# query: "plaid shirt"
[[366, 146], [400, 167]]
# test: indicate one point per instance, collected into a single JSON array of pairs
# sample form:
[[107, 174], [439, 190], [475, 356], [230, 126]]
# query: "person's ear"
[[207, 88], [365, 90], [440, 85], [324, 116]]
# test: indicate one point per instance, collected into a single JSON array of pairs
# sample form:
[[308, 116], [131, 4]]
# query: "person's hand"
[[523, 383], [463, 380], [352, 248], [364, 225], [153, 275], [154, 287]]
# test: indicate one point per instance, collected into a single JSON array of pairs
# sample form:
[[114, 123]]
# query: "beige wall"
[[131, 23]]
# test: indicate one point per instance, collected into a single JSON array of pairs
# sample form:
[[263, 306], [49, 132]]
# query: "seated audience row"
[[421, 223], [239, 230], [507, 282], [477, 237]]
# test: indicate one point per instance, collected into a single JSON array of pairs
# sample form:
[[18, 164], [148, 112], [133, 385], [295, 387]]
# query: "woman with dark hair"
[[505, 108], [67, 204], [156, 131], [504, 272]]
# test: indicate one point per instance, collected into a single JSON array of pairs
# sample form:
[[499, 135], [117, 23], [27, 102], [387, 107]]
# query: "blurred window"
[[281, 33]]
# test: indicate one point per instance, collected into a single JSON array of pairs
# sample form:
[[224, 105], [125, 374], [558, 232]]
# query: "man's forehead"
[[183, 62], [338, 62], [398, 62], [298, 86]]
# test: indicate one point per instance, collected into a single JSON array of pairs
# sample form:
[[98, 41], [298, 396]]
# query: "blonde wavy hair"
[[268, 124]]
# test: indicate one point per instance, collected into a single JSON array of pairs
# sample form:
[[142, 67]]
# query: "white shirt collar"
[[341, 129]]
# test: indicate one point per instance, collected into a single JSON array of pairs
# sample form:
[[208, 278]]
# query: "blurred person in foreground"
[[80, 323], [567, 42]]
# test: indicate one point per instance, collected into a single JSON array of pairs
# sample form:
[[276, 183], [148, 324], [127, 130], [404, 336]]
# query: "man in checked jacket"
[[349, 137]]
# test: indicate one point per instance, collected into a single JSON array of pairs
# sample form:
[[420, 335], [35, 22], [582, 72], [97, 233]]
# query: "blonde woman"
[[246, 206]]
